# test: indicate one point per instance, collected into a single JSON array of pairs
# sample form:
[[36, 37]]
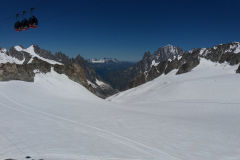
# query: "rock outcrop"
[[238, 70]]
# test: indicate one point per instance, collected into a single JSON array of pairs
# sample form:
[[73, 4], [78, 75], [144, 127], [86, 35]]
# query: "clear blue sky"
[[122, 29]]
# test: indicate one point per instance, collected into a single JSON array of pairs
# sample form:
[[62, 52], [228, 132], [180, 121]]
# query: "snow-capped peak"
[[170, 48], [3, 50], [103, 60], [32, 52], [18, 48], [5, 58], [166, 52], [234, 47]]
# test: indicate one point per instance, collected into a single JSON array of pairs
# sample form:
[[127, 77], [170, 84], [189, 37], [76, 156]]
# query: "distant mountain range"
[[103, 61], [170, 57], [105, 67], [104, 77]]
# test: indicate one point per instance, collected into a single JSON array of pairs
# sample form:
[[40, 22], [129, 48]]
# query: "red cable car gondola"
[[25, 24], [33, 22], [18, 24]]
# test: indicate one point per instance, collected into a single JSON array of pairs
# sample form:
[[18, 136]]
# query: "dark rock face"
[[137, 81], [15, 72], [89, 72], [14, 53], [146, 69], [73, 71], [20, 55], [174, 64], [24, 72], [189, 61], [185, 64], [77, 73], [167, 52], [238, 70], [62, 58], [43, 53], [223, 53]]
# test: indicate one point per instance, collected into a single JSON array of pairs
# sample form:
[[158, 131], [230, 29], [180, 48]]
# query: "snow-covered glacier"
[[192, 116]]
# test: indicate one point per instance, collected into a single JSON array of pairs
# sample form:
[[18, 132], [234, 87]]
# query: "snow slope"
[[31, 51], [208, 81], [4, 58], [197, 112], [193, 116]]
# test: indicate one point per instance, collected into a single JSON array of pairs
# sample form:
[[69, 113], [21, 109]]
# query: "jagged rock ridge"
[[140, 69], [18, 63], [168, 58]]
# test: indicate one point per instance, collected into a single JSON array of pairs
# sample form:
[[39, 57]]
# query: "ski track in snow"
[[123, 140]]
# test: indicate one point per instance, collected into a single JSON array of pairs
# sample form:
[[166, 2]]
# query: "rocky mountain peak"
[[3, 50], [147, 55], [169, 57], [166, 52], [170, 48]]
